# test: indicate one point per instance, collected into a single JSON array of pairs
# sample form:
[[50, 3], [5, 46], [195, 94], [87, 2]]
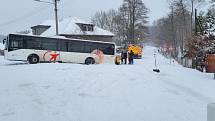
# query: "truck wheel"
[[33, 59]]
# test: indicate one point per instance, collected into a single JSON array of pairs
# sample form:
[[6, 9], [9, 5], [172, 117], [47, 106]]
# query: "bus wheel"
[[33, 59], [89, 61]]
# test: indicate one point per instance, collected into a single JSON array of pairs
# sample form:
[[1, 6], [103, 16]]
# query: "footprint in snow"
[[7, 114], [25, 85]]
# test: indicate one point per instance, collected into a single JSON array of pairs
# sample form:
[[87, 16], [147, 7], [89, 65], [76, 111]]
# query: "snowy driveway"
[[72, 92]]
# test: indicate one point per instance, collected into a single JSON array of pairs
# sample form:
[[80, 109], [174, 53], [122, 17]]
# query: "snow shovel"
[[156, 69]]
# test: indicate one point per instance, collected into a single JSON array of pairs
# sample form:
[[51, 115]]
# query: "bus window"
[[33, 43], [63, 46], [90, 46], [16, 43], [107, 49], [76, 46], [49, 44]]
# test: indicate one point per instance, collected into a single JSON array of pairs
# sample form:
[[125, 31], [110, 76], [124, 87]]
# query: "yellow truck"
[[137, 49]]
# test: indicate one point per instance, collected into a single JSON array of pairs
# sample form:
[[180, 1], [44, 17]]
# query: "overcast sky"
[[17, 15]]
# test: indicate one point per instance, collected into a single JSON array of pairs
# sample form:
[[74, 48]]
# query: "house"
[[73, 28]]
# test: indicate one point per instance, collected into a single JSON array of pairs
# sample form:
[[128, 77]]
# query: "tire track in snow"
[[187, 90], [165, 78]]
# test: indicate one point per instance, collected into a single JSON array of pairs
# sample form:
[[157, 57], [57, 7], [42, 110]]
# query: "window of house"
[[87, 27], [84, 28], [37, 32]]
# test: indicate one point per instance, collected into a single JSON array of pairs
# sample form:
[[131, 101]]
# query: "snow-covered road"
[[72, 92]]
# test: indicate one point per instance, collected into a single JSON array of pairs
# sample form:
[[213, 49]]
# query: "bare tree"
[[128, 22], [100, 19], [135, 14], [194, 5], [181, 22]]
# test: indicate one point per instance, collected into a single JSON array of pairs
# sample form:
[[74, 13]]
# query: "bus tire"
[[90, 61], [33, 59]]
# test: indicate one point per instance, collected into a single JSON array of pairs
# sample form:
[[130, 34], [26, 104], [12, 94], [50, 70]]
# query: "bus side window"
[[76, 46], [49, 44], [33, 43], [63, 46], [89, 47], [15, 44], [108, 49]]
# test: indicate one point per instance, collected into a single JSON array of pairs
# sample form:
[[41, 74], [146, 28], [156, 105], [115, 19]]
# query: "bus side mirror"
[[4, 41]]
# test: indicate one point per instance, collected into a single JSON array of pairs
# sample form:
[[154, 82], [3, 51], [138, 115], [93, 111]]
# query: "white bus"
[[35, 49]]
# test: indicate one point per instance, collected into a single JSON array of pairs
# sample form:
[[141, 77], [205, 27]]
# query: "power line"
[[29, 14]]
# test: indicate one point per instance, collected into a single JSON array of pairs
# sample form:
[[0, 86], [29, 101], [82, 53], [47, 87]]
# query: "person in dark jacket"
[[131, 57], [122, 57], [125, 56]]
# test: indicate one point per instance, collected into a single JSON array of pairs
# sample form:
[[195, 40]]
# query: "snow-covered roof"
[[69, 26]]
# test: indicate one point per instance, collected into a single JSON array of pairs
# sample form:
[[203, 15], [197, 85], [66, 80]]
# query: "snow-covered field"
[[72, 92]]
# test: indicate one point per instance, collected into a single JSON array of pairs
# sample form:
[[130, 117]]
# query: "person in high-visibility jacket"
[[117, 60], [131, 57]]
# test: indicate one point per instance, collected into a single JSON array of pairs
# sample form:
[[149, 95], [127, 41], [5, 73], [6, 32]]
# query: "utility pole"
[[192, 2], [55, 9], [56, 16], [196, 23]]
